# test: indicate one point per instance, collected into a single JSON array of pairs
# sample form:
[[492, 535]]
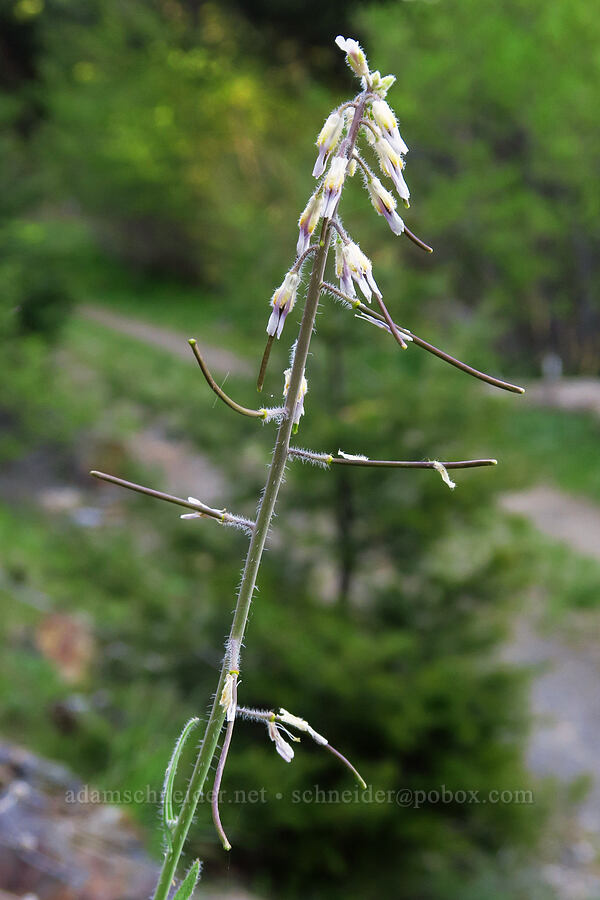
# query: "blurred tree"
[[499, 102], [163, 130], [35, 300], [165, 127]]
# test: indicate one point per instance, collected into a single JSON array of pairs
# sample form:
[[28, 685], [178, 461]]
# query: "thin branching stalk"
[[221, 515], [252, 413], [390, 322], [336, 149], [255, 550], [266, 715], [366, 169], [441, 354], [328, 459], [219, 772], [301, 259], [417, 240], [366, 124], [264, 362], [369, 312]]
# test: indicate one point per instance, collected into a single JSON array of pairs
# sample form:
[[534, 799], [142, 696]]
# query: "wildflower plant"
[[363, 126]]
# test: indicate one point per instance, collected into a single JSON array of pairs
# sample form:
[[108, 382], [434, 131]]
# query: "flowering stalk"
[[253, 560], [351, 459], [367, 113], [254, 556], [276, 721]]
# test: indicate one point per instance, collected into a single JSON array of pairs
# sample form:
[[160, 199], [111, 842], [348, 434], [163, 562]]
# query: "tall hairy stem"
[[251, 568], [255, 550]]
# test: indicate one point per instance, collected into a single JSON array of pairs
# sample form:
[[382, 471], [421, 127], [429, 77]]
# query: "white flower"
[[308, 221], [227, 698], [284, 749], [361, 269], [386, 120], [282, 302], [194, 515], [342, 270], [441, 468], [299, 410], [402, 332], [391, 164], [333, 184], [301, 724], [384, 204], [355, 56], [327, 140]]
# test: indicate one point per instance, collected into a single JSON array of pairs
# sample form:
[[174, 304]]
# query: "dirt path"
[[221, 361], [565, 700], [571, 520], [570, 394], [183, 469], [565, 692]]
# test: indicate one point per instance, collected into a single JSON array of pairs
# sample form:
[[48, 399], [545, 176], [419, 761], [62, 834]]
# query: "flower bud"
[[282, 302], [355, 56], [386, 120], [333, 184], [227, 698], [384, 204], [308, 221], [327, 141], [299, 409], [381, 85]]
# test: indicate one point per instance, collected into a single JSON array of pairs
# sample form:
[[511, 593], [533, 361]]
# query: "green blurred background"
[[156, 155]]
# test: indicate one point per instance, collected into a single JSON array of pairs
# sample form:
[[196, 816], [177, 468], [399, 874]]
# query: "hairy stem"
[[253, 560], [255, 550]]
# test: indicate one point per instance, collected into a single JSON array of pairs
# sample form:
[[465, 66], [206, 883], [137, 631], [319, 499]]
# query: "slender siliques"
[[369, 118]]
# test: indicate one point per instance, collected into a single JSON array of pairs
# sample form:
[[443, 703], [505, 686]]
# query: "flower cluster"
[[368, 116], [351, 264]]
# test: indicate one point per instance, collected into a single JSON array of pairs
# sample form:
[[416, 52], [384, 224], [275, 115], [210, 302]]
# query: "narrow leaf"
[[186, 888], [167, 808]]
